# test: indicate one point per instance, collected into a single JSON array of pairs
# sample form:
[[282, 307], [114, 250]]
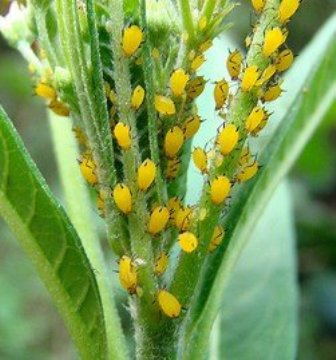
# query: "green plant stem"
[[187, 18], [208, 9]]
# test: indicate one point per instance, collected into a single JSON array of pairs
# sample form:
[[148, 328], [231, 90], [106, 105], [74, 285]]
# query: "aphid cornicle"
[[168, 304], [45, 91], [195, 87], [234, 64], [127, 274], [227, 139], [183, 218], [217, 238], [221, 91], [178, 82], [123, 198], [197, 62], [188, 241], [287, 9], [272, 93], [122, 133], [200, 159], [191, 126], [250, 77], [248, 172], [158, 220], [284, 60], [274, 38], [255, 118], [164, 105], [173, 141], [161, 263], [131, 40], [172, 168], [219, 189], [258, 5], [146, 174], [137, 97], [88, 169], [59, 108]]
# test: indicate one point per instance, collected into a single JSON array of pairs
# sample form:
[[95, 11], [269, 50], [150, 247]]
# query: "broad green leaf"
[[46, 234], [307, 109]]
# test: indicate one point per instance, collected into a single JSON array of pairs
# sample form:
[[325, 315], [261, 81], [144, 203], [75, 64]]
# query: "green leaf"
[[46, 234], [308, 108]]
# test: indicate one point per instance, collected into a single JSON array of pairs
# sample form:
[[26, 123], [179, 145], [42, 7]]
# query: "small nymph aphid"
[[191, 126], [137, 98], [178, 82], [287, 9], [88, 169], [172, 168], [217, 238], [234, 64], [272, 93], [255, 118], [284, 60], [197, 62], [221, 91], [266, 75], [188, 241], [168, 304], [123, 198], [146, 174], [122, 133], [183, 218], [127, 274], [131, 40], [200, 159], [59, 108], [45, 91], [195, 87], [250, 77], [174, 205], [206, 45], [274, 38], [161, 263], [158, 220], [248, 172], [220, 188], [258, 5], [227, 139], [173, 141], [164, 105]]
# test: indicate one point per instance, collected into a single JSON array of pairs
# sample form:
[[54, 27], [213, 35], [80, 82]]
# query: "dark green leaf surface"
[[46, 234]]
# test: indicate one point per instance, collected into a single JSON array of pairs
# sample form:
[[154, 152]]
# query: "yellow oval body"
[[258, 5], [197, 62], [164, 105], [122, 133], [219, 189], [267, 74], [250, 77], [123, 198], [272, 93], [200, 159], [195, 87], [188, 241], [156, 53], [174, 205], [168, 304], [158, 220], [172, 168], [88, 169], [221, 91], [255, 118], [127, 274], [137, 98], [173, 141], [202, 23], [131, 40], [227, 139], [45, 91], [191, 126], [161, 263], [234, 64], [206, 45], [287, 9], [284, 60], [274, 38], [183, 218], [178, 81], [216, 239], [248, 172], [80, 135], [146, 174], [59, 108]]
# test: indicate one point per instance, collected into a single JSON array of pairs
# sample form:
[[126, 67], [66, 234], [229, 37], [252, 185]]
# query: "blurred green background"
[[30, 327]]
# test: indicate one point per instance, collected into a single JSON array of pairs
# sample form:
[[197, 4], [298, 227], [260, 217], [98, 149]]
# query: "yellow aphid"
[[258, 5], [168, 303], [221, 91], [138, 96], [156, 53], [172, 168], [123, 198], [174, 205], [266, 75], [188, 242], [272, 93], [191, 55], [195, 87], [205, 46], [234, 63], [173, 141], [284, 60], [146, 174], [287, 9], [113, 97], [107, 88], [274, 38], [245, 156], [248, 172], [127, 274], [164, 105], [255, 118], [200, 159], [80, 135], [248, 41], [161, 263], [45, 91], [88, 169], [217, 238], [227, 139], [202, 23], [59, 108], [178, 82], [219, 189], [202, 214], [131, 39], [158, 220], [197, 62], [122, 133], [250, 77], [100, 202], [191, 126], [183, 218]]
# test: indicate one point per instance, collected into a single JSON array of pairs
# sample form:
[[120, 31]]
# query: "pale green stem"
[[187, 17]]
